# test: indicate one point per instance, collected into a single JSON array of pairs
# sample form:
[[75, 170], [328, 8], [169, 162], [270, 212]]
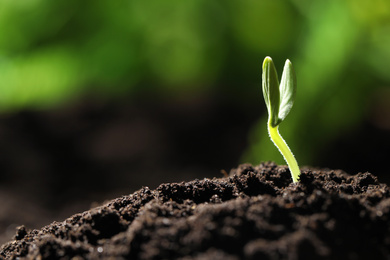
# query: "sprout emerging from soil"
[[279, 99]]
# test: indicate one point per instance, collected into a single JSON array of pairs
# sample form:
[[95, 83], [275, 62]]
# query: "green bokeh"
[[52, 52]]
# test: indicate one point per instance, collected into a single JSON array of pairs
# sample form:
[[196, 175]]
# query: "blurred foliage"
[[54, 51], [341, 61]]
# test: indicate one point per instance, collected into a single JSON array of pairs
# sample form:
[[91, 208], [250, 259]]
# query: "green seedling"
[[279, 99]]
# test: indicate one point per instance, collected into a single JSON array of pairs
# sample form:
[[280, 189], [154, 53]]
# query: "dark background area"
[[59, 162], [99, 98]]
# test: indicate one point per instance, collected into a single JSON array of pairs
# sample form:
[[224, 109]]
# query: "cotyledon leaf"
[[270, 84], [287, 90]]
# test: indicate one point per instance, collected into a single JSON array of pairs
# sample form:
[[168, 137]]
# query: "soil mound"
[[254, 213]]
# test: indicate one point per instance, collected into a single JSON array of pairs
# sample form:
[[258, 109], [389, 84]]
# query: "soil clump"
[[254, 213]]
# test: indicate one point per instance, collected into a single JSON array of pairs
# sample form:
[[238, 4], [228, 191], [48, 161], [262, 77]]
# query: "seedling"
[[279, 99]]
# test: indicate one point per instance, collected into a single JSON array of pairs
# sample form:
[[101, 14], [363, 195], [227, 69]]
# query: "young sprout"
[[279, 99]]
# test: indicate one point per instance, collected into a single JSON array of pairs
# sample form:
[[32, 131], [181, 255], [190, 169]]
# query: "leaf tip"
[[267, 60]]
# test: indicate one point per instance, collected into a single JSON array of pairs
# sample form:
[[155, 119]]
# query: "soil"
[[254, 213], [58, 162]]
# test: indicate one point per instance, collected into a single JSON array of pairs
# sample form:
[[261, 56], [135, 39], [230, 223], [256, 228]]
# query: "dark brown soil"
[[255, 213], [57, 162]]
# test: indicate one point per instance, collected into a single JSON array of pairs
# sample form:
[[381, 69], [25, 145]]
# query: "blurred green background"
[[52, 53], [98, 98]]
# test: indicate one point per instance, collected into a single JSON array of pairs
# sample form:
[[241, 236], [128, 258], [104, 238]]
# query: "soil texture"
[[254, 213], [58, 162]]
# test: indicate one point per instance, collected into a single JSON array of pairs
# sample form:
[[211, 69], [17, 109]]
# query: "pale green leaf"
[[270, 84], [288, 89]]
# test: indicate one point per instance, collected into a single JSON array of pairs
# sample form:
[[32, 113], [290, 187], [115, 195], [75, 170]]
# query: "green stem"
[[285, 151]]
